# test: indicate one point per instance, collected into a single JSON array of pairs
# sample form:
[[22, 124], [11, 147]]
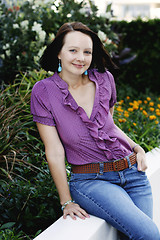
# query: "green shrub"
[[143, 39], [27, 195], [26, 29]]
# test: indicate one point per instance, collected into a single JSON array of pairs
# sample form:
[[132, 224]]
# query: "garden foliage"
[[143, 38], [29, 201], [28, 197], [25, 30]]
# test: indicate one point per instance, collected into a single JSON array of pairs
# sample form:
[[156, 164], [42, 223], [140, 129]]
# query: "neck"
[[73, 81]]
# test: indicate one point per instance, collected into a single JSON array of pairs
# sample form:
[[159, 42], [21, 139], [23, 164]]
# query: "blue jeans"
[[123, 199]]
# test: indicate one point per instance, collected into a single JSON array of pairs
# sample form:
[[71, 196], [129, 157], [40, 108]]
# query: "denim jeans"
[[123, 199]]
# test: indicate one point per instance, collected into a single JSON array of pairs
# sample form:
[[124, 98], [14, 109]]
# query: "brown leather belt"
[[117, 165]]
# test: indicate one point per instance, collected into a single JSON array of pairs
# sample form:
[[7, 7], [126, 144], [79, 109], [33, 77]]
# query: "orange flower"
[[130, 109], [121, 101], [16, 8], [10, 10], [128, 97], [145, 113], [134, 124], [120, 120], [131, 104], [148, 98], [145, 101], [152, 117], [119, 109], [151, 109], [156, 122], [126, 114], [151, 104]]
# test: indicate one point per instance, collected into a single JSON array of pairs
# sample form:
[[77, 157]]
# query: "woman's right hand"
[[73, 210]]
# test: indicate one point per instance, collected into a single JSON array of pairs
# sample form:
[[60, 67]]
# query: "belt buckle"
[[115, 167]]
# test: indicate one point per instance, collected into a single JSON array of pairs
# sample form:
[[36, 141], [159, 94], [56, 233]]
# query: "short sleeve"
[[113, 99], [40, 105]]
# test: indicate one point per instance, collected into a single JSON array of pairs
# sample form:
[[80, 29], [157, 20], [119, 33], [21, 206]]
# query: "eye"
[[88, 52], [72, 50]]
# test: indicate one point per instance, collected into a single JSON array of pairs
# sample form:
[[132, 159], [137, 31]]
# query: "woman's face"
[[76, 53]]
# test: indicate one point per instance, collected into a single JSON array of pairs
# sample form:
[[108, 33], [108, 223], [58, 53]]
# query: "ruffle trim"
[[109, 145]]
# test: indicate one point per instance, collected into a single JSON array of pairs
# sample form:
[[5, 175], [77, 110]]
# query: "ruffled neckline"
[[110, 145]]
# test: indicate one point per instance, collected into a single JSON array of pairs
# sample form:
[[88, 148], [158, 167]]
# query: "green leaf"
[[7, 225]]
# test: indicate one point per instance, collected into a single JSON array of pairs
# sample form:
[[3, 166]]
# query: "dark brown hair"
[[100, 57]]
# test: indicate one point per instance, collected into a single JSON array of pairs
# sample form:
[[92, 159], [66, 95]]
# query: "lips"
[[78, 65]]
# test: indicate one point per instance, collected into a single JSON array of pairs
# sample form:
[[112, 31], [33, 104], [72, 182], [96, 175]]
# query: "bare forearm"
[[58, 172]]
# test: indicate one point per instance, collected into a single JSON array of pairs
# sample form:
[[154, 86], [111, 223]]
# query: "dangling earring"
[[86, 73], [59, 66]]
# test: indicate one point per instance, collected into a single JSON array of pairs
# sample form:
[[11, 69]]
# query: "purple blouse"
[[85, 140]]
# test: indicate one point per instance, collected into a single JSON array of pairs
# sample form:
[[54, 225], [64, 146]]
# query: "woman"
[[73, 111]]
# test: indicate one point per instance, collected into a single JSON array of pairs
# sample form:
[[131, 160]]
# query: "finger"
[[73, 216], [85, 214], [144, 165], [139, 166]]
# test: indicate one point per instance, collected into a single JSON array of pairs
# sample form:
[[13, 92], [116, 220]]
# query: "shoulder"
[[104, 77], [42, 85]]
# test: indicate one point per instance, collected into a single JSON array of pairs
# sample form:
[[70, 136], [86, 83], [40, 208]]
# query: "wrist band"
[[66, 203], [134, 147]]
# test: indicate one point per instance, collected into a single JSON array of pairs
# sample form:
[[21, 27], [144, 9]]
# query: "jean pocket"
[[134, 167]]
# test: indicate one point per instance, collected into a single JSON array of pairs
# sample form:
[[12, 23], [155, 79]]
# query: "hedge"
[[143, 37]]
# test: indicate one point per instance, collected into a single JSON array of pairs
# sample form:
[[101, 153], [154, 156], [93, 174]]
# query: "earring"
[[59, 66], [86, 73]]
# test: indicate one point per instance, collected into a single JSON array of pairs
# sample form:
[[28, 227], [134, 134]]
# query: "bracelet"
[[134, 147], [66, 203]]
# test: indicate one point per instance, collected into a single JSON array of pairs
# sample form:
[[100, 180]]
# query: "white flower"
[[82, 11], [102, 35], [8, 53], [54, 8], [6, 46], [56, 3], [24, 24], [15, 25], [36, 27], [41, 35], [15, 40], [106, 15], [18, 57], [2, 56]]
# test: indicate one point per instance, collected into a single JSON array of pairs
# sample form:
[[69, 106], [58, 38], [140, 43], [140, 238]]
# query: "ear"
[[59, 56]]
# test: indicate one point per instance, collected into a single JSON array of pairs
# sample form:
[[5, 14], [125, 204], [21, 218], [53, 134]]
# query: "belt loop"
[[101, 168], [128, 160]]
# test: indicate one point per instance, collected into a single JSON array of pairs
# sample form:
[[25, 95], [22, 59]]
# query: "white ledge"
[[95, 228], [89, 229]]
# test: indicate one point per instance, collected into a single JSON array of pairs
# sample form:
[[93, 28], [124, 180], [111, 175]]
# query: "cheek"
[[89, 60]]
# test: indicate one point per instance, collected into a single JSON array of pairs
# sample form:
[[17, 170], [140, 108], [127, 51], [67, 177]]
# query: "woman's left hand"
[[141, 161]]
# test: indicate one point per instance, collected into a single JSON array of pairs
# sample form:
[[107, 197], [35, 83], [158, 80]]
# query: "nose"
[[80, 56]]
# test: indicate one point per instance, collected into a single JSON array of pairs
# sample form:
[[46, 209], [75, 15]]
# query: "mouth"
[[78, 65]]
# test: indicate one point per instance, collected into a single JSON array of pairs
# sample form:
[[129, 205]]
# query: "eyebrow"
[[78, 47]]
